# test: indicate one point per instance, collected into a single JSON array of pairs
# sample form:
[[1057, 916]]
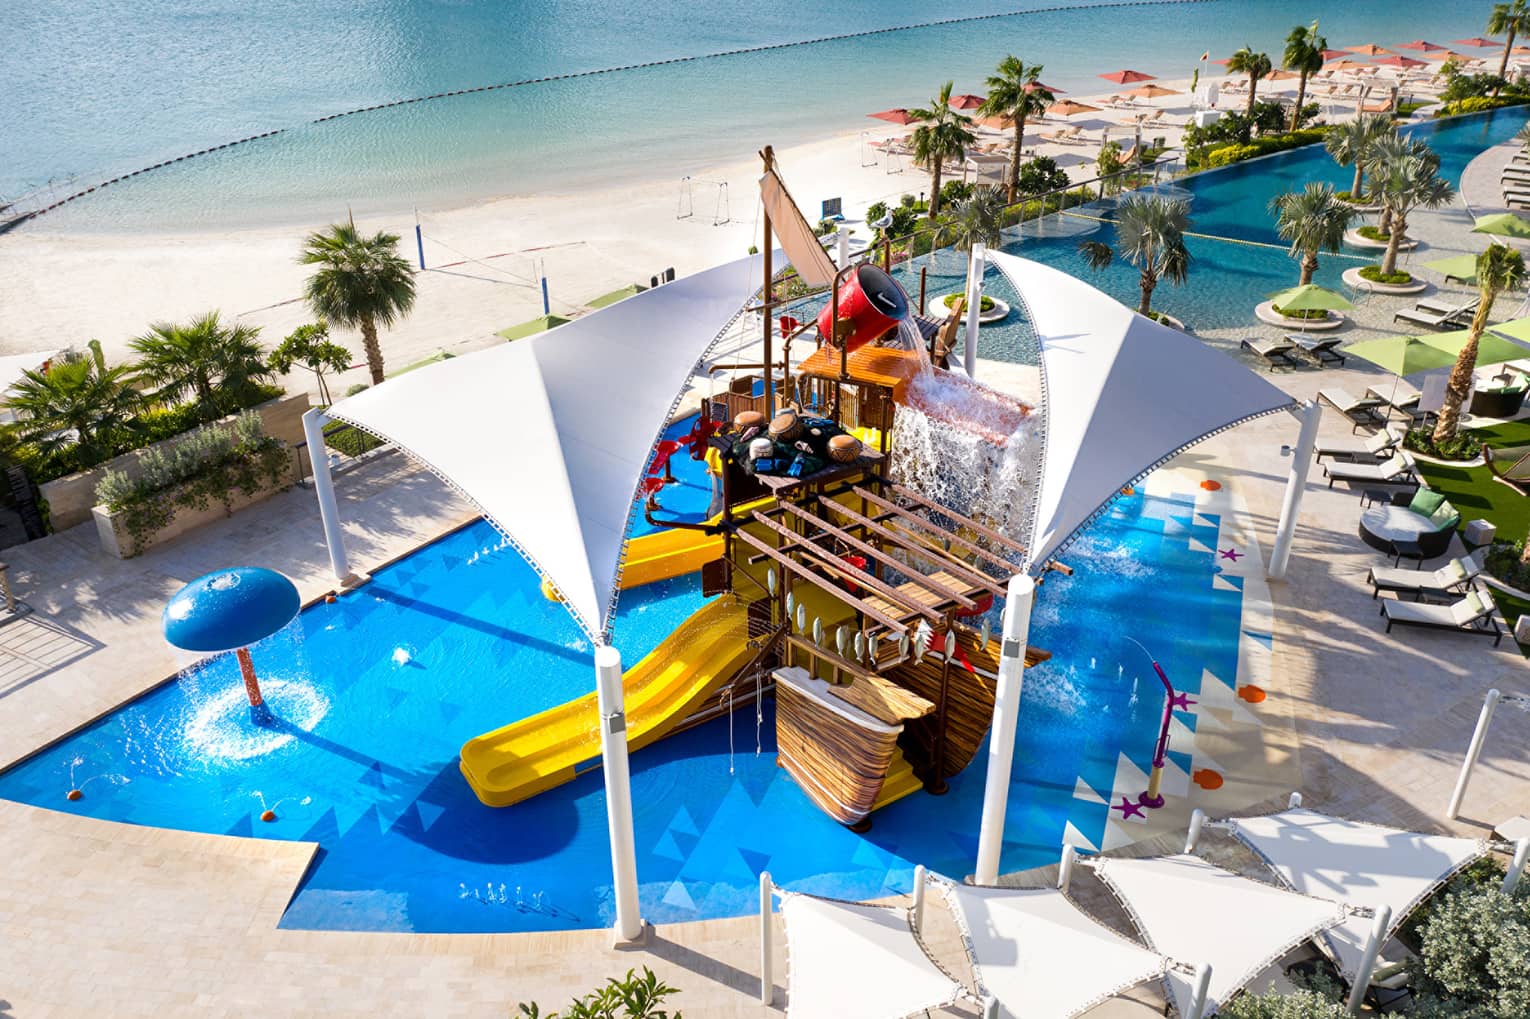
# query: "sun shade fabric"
[[1408, 355], [1122, 395], [1198, 914], [1359, 864], [14, 366], [1040, 955], [549, 436], [851, 961], [794, 232]]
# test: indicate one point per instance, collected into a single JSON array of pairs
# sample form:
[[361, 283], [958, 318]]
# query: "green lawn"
[[1474, 492]]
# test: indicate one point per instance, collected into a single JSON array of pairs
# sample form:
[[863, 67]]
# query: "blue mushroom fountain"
[[228, 610]]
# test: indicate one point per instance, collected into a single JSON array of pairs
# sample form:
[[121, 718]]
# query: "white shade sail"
[[1360, 864], [13, 366], [1121, 395], [1040, 955], [1196, 913], [853, 961], [549, 436]]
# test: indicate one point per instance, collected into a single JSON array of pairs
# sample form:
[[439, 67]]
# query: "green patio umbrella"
[[1456, 267], [1503, 224], [1519, 329], [630, 290], [1309, 297], [540, 324], [1408, 355]]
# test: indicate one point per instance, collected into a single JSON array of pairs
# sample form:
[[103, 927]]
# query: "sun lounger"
[[1449, 581], [1509, 464], [1395, 470], [1399, 395], [1373, 449], [1436, 319], [1276, 353], [1362, 412], [1473, 613], [1323, 350]]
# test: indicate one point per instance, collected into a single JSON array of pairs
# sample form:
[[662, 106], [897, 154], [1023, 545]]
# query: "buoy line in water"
[[524, 82]]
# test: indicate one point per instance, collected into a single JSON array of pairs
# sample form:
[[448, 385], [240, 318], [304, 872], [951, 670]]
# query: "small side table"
[[1408, 550], [1479, 532], [1371, 496]]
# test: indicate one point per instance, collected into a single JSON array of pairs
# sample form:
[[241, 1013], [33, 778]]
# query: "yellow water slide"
[[663, 689]]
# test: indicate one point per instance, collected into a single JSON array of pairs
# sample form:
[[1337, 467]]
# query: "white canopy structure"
[[549, 436], [852, 961], [1040, 955], [1194, 912], [1121, 395], [1360, 864]]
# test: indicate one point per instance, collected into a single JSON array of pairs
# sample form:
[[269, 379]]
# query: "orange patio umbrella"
[[1127, 77], [1279, 74], [1152, 92], [1069, 108], [1348, 65], [1419, 44], [1370, 49], [1335, 54], [1400, 61], [966, 102], [1036, 86], [896, 115], [1478, 41]]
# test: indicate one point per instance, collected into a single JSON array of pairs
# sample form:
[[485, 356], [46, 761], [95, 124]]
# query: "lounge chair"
[[1400, 395], [1473, 613], [1449, 581], [1323, 350], [1276, 353], [1374, 449], [1436, 319], [1397, 469], [1509, 464], [1361, 412]]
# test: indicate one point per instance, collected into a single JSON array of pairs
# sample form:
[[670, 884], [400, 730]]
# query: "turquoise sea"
[[97, 88]]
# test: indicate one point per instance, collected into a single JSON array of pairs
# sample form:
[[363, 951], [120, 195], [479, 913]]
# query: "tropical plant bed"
[[1501, 562], [1164, 318], [1304, 321], [1464, 448], [1373, 239], [990, 310], [1358, 204], [1394, 283]]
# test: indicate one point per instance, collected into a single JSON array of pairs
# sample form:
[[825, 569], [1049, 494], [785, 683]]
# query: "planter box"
[[71, 499], [112, 529]]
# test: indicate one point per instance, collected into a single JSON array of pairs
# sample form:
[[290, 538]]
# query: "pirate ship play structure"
[[861, 600]]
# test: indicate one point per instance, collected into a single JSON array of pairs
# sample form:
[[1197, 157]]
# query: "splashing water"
[[220, 728]]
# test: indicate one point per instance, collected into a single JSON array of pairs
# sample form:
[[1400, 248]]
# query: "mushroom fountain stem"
[[258, 710]]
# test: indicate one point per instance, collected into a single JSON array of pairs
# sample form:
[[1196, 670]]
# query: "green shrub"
[[1040, 175], [875, 211], [633, 997], [1475, 956], [1261, 146], [1375, 275], [1479, 104], [984, 304], [1373, 233], [1502, 560], [953, 191], [1303, 314], [1274, 1005], [1464, 445]]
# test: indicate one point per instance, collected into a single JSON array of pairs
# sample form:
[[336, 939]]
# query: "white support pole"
[[1473, 751], [767, 974], [324, 488], [1294, 801], [990, 1008], [1367, 967], [1065, 868], [613, 755], [1001, 737], [842, 236], [974, 308], [1517, 867], [1197, 1007], [1296, 485], [916, 912], [1193, 837]]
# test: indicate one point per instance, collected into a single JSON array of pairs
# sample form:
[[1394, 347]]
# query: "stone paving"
[[107, 919]]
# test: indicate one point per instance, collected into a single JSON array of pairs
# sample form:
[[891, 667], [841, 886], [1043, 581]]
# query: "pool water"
[[377, 692]]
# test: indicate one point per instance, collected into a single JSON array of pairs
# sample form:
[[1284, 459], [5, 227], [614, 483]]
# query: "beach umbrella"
[[1127, 77], [1477, 41], [1348, 65], [1518, 330], [1399, 61], [1227, 60], [1335, 54], [1281, 75], [1444, 55], [1152, 92], [1036, 86], [1309, 297], [997, 123], [1069, 108], [966, 101], [1370, 49], [1456, 267], [1502, 224], [897, 115], [1409, 355], [1419, 44]]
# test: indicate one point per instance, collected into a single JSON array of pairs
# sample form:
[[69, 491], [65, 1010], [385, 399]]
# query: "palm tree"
[[1499, 268], [1015, 92], [220, 367], [1512, 17], [362, 282], [1312, 219], [1350, 142], [74, 402], [1256, 66], [977, 219], [1404, 177], [1150, 234], [1304, 55], [942, 134]]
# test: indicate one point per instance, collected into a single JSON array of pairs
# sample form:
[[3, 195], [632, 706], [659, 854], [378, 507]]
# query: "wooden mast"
[[768, 156]]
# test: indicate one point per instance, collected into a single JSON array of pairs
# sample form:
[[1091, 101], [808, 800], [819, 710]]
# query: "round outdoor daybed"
[[1383, 525]]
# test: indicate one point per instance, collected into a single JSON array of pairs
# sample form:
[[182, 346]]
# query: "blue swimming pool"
[[379, 690]]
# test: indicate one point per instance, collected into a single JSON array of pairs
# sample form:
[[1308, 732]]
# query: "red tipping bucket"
[[871, 301]]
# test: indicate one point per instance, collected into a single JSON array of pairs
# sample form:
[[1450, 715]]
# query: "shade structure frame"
[[950, 890], [593, 610], [958, 991], [1101, 867], [1400, 913]]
